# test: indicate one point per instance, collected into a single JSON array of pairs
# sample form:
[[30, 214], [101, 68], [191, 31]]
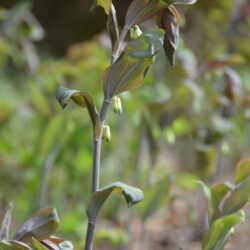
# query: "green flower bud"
[[135, 32], [117, 105], [106, 133]]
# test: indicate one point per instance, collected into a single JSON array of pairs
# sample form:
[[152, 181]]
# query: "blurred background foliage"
[[186, 123]]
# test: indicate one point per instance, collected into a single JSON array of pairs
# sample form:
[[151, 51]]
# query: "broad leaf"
[[40, 226], [142, 10], [112, 26], [220, 231], [129, 70], [4, 231], [83, 99], [243, 171], [238, 198], [105, 4], [13, 245], [132, 196]]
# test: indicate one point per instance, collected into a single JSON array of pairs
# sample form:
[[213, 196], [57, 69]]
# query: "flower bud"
[[106, 133], [117, 105], [135, 32]]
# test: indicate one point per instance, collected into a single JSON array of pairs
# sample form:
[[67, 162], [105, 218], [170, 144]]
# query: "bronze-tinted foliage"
[[169, 19], [129, 70]]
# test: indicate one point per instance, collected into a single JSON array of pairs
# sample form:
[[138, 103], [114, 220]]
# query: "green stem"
[[96, 173]]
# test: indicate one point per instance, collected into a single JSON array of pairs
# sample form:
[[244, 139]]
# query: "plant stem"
[[96, 172]]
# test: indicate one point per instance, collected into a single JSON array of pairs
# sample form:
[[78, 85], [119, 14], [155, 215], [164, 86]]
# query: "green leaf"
[[105, 4], [243, 171], [4, 231], [41, 225], [220, 231], [36, 245], [129, 70], [238, 197], [132, 196], [154, 197], [219, 191], [13, 245], [83, 99]]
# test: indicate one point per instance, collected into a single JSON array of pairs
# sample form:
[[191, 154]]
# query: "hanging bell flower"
[[117, 105], [106, 133]]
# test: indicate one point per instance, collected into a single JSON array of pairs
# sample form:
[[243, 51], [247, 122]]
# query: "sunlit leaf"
[[105, 4], [220, 231], [129, 70], [112, 26], [5, 227], [83, 99], [238, 197], [13, 245], [132, 196], [243, 171], [40, 226]]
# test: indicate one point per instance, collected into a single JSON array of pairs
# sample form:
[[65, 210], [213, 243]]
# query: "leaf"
[[40, 226], [4, 231], [155, 197], [105, 4], [220, 231], [13, 245], [142, 10], [129, 70], [238, 197], [218, 191], [243, 171], [131, 194], [66, 245], [83, 99], [169, 21], [36, 245], [112, 26]]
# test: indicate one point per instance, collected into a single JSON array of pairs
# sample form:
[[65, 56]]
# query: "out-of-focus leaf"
[[40, 226], [218, 191], [155, 197], [83, 99], [220, 231], [243, 171], [169, 21], [13, 245], [5, 227], [132, 196], [185, 1], [208, 194], [238, 197], [233, 83], [112, 26], [105, 4], [129, 70], [36, 245]]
